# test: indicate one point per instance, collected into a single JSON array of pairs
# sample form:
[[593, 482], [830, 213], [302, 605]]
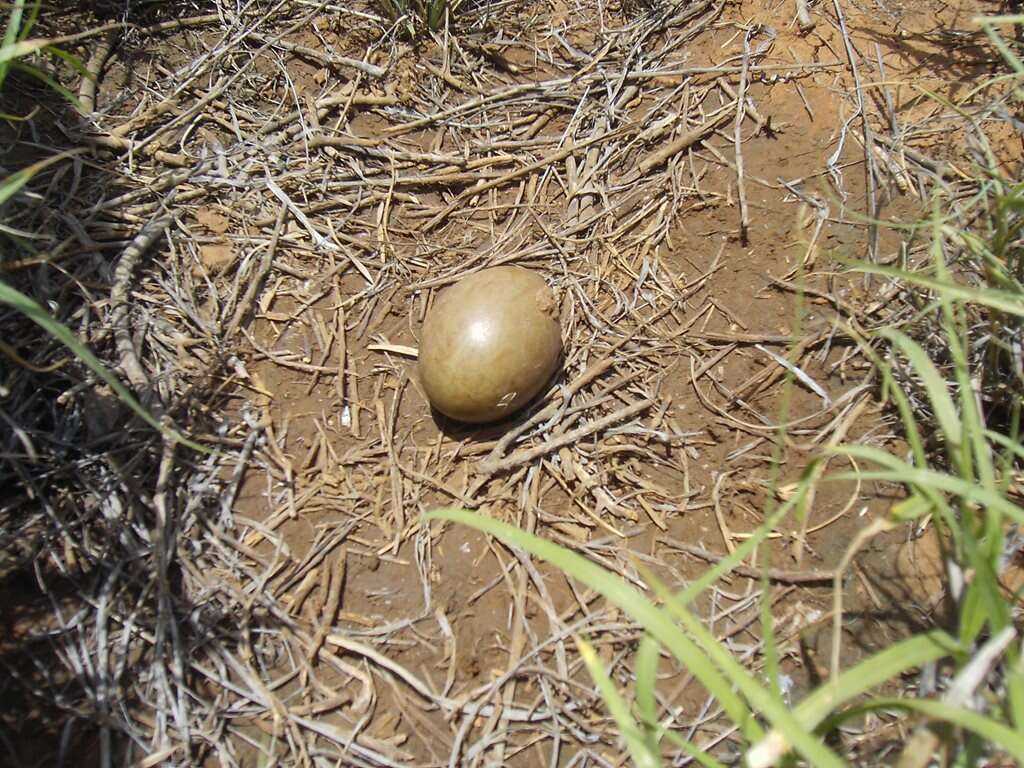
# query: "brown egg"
[[489, 343]]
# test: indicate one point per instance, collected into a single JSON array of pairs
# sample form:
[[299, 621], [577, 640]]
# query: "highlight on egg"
[[489, 344]]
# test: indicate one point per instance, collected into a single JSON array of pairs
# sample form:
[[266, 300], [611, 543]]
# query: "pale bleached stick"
[[803, 17]]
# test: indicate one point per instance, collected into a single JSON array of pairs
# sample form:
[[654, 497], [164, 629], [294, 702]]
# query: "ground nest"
[[263, 202]]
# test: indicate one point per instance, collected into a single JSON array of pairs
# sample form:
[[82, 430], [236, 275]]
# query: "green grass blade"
[[926, 478], [973, 612], [771, 648], [891, 389], [1000, 44], [435, 14], [21, 49], [52, 84], [970, 416], [12, 32], [982, 602], [627, 598], [936, 386], [13, 28], [899, 471], [870, 673], [994, 732], [639, 747], [1002, 301], [1013, 446], [874, 455], [1015, 689], [33, 17], [693, 751], [730, 561], [914, 507], [781, 717], [874, 671], [18, 118], [10, 185], [646, 670], [1008, 18], [71, 61], [57, 330], [20, 234]]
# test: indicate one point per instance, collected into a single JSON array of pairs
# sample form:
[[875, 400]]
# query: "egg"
[[489, 343]]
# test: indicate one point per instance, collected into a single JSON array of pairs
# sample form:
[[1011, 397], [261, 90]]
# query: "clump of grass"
[[19, 52], [416, 15], [746, 701], [961, 360], [59, 519], [981, 264], [16, 47]]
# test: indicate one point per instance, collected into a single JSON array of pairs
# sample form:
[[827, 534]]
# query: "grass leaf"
[[639, 747], [903, 473], [1002, 301], [760, 698], [624, 596], [646, 669], [693, 751], [21, 49], [10, 185], [936, 386], [991, 730], [43, 77], [730, 561], [57, 330], [874, 671]]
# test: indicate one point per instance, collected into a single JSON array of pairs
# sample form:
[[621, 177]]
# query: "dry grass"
[[230, 217]]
